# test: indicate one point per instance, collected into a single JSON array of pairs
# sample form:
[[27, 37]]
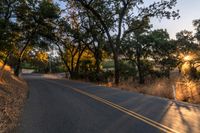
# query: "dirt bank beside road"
[[13, 92]]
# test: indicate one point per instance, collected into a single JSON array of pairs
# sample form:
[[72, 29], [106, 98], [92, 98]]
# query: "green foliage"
[[35, 20], [108, 64], [48, 10], [7, 26], [90, 31], [92, 76], [185, 42], [196, 24], [163, 51], [152, 51], [127, 69], [117, 19], [187, 46]]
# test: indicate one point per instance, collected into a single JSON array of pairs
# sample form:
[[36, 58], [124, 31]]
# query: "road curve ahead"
[[63, 106]]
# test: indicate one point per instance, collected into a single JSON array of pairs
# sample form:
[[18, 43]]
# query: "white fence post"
[[174, 91]]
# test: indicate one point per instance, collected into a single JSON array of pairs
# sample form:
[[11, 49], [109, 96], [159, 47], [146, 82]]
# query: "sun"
[[187, 58]]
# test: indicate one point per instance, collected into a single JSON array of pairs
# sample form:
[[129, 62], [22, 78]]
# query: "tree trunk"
[[97, 64], [18, 66], [140, 71], [168, 73], [65, 62], [116, 62], [78, 60], [71, 75]]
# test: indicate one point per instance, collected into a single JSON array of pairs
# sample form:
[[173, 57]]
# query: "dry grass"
[[13, 92], [185, 90], [188, 90], [158, 87]]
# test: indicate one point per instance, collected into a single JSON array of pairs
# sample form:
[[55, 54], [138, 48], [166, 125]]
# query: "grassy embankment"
[[13, 92], [185, 90]]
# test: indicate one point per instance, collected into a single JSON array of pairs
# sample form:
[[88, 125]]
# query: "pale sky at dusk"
[[189, 10]]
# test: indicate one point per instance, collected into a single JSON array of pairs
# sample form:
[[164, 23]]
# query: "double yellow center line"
[[124, 110]]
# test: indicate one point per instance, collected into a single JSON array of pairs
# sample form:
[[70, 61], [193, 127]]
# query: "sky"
[[189, 11]]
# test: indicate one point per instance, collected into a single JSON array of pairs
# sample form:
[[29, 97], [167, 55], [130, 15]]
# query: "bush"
[[101, 77], [159, 74], [127, 69]]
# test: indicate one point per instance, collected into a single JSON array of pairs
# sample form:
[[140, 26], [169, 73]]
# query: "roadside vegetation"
[[13, 92], [178, 88], [103, 41]]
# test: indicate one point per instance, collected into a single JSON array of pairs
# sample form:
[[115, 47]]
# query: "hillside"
[[12, 96]]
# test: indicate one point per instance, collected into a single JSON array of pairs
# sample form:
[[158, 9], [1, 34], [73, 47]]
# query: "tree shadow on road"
[[182, 117]]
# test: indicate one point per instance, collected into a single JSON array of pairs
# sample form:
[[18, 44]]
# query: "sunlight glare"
[[187, 58]]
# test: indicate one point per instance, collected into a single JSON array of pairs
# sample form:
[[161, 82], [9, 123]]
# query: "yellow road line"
[[122, 109]]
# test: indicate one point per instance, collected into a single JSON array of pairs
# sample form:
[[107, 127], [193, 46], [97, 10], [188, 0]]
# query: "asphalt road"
[[64, 106]]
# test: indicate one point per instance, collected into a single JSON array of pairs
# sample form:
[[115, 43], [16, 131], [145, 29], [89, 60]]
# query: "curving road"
[[64, 106]]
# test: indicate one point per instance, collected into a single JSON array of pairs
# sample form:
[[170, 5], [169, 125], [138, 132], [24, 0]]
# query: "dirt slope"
[[13, 92]]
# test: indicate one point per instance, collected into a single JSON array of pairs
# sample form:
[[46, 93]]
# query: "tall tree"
[[7, 28], [8, 35], [196, 24], [162, 51], [35, 18], [67, 40], [93, 37], [135, 46], [116, 19], [186, 46], [185, 42]]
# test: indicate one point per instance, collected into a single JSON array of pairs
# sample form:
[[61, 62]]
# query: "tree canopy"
[[87, 33]]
